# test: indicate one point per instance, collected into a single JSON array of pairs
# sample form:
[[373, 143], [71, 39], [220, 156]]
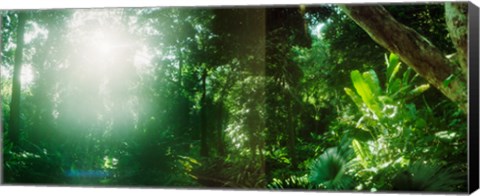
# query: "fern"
[[293, 182]]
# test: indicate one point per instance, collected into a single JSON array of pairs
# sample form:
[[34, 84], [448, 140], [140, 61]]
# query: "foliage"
[[432, 178], [225, 97], [329, 171], [28, 166], [393, 123], [293, 182]]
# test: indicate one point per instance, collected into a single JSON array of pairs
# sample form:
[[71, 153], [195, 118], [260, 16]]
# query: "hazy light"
[[34, 32], [102, 60], [317, 30], [98, 38], [26, 77], [104, 45], [102, 48]]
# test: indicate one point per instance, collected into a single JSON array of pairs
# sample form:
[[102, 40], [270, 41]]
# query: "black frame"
[[473, 136]]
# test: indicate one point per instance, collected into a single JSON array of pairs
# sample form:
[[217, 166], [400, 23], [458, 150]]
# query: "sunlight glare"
[[102, 58], [105, 45], [317, 30], [98, 39], [26, 77]]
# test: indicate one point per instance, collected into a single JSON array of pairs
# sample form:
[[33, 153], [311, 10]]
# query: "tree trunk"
[[220, 120], [14, 124], [203, 116], [180, 68], [291, 133], [457, 24], [412, 48]]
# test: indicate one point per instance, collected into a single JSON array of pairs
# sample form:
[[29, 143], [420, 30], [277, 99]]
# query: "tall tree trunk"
[[219, 122], [203, 117], [412, 48], [14, 124], [457, 24], [180, 68], [43, 122], [291, 133]]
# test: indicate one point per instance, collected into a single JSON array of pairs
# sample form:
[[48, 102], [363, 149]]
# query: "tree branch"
[[412, 48]]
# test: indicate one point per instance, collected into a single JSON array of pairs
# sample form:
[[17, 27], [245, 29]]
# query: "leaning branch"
[[412, 48]]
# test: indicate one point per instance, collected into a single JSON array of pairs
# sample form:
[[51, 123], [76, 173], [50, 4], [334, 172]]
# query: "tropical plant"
[[292, 182], [329, 171], [390, 120], [422, 177], [188, 98]]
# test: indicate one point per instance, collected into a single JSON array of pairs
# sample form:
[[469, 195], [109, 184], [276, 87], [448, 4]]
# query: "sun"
[[102, 47], [105, 43], [98, 39]]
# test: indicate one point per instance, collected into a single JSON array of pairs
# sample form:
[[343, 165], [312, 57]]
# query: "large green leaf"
[[394, 86], [371, 79], [356, 99], [364, 90], [392, 64], [361, 153], [406, 76], [329, 171], [395, 70]]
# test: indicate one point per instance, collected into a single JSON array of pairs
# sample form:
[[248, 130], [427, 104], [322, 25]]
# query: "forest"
[[306, 97]]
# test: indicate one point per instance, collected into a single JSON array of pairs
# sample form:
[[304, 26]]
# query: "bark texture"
[[412, 48], [457, 25]]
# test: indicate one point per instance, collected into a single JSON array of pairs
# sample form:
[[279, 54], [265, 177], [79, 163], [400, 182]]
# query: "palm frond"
[[329, 170], [423, 177]]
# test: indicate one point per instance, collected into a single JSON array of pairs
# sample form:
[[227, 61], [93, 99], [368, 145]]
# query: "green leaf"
[[364, 90], [356, 99], [394, 86], [394, 72], [428, 177], [420, 123], [393, 59], [360, 152], [385, 99], [419, 90], [371, 79], [311, 100], [329, 170], [406, 75], [292, 182], [412, 111], [446, 135], [362, 87], [393, 63], [447, 81]]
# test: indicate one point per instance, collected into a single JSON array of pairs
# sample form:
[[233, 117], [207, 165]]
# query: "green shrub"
[[329, 170]]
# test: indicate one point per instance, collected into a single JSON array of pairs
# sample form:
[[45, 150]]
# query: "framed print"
[[327, 97]]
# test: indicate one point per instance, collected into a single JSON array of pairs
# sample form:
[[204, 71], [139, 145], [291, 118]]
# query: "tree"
[[204, 148], [413, 48], [457, 24], [43, 61], [14, 124], [285, 29]]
